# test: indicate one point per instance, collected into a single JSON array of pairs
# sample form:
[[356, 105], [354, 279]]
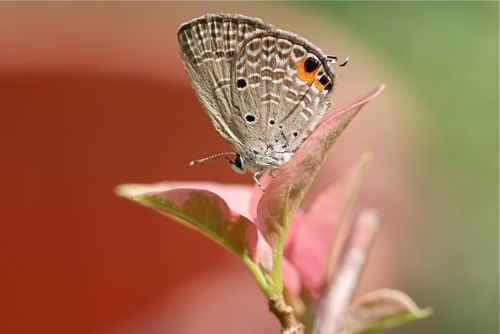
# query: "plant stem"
[[284, 313], [277, 287], [279, 248], [259, 276]]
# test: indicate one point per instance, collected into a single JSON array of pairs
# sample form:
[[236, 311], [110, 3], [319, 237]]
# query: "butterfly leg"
[[272, 168], [256, 177], [272, 173]]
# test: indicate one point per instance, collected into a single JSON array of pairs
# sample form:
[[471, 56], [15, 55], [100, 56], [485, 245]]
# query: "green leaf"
[[382, 309]]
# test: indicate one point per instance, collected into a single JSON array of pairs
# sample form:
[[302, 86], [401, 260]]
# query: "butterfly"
[[264, 89]]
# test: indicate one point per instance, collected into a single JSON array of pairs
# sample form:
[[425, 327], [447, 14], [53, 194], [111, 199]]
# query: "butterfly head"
[[238, 165]]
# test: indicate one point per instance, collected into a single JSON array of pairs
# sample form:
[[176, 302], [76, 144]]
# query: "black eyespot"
[[271, 122], [238, 161], [311, 64], [295, 134], [241, 83], [324, 80], [281, 126], [250, 118]]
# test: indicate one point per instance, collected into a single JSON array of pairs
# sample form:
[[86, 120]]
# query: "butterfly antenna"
[[212, 157], [334, 60]]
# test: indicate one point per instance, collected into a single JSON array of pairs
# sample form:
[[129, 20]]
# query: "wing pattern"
[[208, 48], [287, 92]]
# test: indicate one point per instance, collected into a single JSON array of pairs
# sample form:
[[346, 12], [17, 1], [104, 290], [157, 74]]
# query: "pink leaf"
[[315, 236], [200, 205], [204, 211], [382, 309], [284, 194], [237, 196]]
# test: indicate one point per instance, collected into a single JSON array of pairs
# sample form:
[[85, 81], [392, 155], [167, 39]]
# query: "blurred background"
[[94, 94]]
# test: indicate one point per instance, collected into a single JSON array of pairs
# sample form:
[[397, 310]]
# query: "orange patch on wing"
[[318, 85], [303, 75]]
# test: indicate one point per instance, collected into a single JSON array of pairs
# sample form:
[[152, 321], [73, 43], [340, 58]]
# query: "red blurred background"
[[94, 95]]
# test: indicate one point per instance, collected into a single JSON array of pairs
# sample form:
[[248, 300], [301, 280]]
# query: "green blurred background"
[[448, 51]]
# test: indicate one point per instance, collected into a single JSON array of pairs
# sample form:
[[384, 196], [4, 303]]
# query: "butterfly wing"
[[283, 83], [208, 47]]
